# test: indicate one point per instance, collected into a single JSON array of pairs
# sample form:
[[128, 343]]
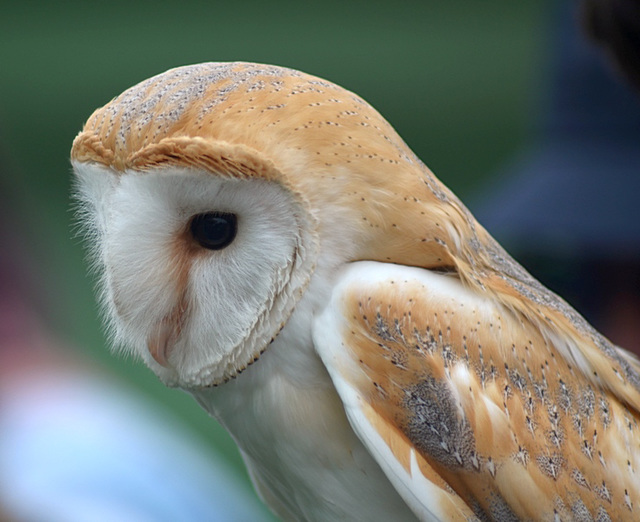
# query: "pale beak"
[[163, 339], [160, 342]]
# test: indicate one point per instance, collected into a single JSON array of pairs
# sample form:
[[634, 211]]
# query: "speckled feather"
[[513, 428], [531, 394]]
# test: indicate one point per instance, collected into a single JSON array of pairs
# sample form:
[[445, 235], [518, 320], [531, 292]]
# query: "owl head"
[[216, 195]]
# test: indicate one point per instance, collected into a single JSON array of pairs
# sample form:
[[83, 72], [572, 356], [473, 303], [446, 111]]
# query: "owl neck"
[[295, 438]]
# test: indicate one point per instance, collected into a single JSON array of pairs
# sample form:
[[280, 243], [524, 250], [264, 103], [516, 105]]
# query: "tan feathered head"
[[355, 189]]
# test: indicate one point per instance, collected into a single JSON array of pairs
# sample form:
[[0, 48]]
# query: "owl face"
[[199, 272]]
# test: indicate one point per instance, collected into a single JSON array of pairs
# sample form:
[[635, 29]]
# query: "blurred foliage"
[[458, 80]]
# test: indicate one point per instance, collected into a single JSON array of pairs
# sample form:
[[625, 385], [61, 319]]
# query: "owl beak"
[[162, 340], [160, 343]]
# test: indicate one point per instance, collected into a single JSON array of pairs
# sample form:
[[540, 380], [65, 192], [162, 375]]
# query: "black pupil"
[[214, 230]]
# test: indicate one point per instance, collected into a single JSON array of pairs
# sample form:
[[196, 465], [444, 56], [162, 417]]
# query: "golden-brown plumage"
[[534, 438], [515, 408]]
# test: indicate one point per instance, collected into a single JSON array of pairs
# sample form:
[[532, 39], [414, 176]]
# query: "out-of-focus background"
[[462, 82]]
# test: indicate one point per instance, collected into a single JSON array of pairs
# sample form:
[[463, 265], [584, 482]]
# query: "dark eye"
[[214, 230]]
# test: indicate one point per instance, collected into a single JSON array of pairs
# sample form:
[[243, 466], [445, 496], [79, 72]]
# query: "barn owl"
[[267, 242]]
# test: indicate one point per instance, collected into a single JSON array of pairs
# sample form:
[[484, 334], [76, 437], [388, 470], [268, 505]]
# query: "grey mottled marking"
[[435, 427], [579, 478], [500, 510], [382, 330], [587, 402], [551, 465], [603, 492], [605, 411], [603, 516], [580, 512]]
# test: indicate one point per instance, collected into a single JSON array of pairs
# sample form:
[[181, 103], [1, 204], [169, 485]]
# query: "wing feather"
[[468, 407]]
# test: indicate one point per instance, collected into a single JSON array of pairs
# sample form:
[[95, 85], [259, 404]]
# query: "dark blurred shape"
[[568, 207], [615, 25]]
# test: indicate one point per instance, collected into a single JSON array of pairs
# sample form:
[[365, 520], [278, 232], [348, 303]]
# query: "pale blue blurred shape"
[[82, 450]]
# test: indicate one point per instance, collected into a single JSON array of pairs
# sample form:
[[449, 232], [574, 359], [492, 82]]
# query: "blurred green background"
[[458, 80]]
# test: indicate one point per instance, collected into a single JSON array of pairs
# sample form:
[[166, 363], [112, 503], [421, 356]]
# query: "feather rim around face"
[[169, 305]]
